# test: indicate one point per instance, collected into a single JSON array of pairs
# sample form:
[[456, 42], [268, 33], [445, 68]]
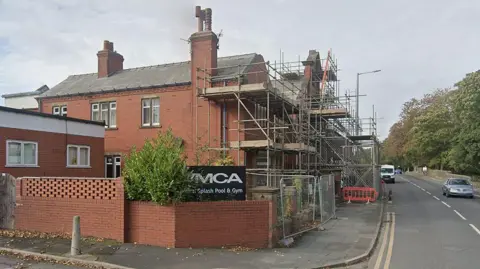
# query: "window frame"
[[22, 153], [150, 107], [111, 106], [78, 147]]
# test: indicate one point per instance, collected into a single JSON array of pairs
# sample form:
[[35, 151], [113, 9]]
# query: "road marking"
[[429, 192], [447, 205], [384, 243], [422, 189], [436, 198], [460, 215], [390, 245], [475, 228]]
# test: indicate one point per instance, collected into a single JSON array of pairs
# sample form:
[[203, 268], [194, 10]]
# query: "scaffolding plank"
[[225, 90], [299, 147], [255, 91], [361, 137], [330, 112], [250, 144]]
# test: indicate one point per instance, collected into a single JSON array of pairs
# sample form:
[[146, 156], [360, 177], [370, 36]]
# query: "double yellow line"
[[388, 236]]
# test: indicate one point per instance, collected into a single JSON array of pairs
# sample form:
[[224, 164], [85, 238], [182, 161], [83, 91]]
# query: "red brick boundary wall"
[[49, 204], [196, 225]]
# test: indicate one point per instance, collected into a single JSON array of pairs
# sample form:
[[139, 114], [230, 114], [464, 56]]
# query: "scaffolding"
[[290, 120]]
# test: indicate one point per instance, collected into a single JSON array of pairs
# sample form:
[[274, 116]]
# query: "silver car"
[[458, 187]]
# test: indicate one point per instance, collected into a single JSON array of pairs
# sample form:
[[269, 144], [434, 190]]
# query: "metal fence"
[[304, 203], [326, 193]]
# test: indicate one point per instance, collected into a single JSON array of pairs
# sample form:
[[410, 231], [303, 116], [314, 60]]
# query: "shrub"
[[158, 172], [225, 161]]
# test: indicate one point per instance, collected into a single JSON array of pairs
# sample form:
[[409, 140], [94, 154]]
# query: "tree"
[[440, 130], [158, 172], [403, 144], [465, 153], [430, 138]]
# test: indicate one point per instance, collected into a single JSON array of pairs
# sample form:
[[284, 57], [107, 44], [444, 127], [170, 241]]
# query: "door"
[[113, 166]]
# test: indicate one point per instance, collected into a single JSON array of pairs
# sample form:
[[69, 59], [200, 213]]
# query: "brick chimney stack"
[[204, 45], [313, 69], [109, 61]]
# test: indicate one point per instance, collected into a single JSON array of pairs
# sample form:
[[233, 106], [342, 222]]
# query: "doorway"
[[113, 166]]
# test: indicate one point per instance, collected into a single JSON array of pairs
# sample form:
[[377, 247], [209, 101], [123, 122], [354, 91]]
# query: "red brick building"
[[37, 144], [136, 103], [240, 105]]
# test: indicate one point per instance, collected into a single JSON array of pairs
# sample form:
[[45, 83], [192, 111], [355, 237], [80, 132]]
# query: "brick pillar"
[[272, 195], [121, 209]]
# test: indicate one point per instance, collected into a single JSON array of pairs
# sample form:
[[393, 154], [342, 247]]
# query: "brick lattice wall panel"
[[49, 204], [217, 224]]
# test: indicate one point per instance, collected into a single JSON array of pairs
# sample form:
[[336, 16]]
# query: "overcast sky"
[[418, 45]]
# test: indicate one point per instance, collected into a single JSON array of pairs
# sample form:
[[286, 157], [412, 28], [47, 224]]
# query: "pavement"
[[348, 236], [7, 262], [424, 229]]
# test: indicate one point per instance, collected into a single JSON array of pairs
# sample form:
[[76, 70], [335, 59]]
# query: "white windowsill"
[[79, 166], [22, 166]]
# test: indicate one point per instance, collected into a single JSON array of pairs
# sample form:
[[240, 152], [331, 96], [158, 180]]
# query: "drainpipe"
[[224, 128]]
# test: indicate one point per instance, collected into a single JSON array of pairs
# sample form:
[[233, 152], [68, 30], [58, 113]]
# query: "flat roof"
[[45, 115]]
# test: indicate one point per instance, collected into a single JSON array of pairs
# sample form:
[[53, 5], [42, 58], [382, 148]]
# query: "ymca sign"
[[220, 183]]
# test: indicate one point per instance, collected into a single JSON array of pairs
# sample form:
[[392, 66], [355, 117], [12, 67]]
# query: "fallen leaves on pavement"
[[241, 249], [33, 258], [30, 234]]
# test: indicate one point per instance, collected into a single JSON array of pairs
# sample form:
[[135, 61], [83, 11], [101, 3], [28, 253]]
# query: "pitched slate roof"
[[144, 77], [38, 91]]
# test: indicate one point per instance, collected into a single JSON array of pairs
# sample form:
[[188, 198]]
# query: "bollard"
[[75, 248]]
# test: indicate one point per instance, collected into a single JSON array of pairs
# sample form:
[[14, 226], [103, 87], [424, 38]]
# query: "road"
[[7, 262], [425, 229]]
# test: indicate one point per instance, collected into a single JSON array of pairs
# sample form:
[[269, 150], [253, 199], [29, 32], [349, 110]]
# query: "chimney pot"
[[111, 46], [200, 14], [198, 11], [208, 19], [106, 45]]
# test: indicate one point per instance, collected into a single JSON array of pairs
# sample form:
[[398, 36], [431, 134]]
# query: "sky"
[[418, 45]]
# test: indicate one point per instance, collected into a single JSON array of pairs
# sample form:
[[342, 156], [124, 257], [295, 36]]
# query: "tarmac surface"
[[424, 229]]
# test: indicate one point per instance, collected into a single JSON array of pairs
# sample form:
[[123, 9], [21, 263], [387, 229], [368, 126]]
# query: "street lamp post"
[[357, 105]]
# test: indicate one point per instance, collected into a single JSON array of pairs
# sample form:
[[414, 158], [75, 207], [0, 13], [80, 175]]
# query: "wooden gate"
[[7, 201]]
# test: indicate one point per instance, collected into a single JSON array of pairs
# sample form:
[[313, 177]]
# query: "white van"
[[387, 173]]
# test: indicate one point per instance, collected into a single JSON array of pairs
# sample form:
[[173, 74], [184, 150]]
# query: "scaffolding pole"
[[292, 119]]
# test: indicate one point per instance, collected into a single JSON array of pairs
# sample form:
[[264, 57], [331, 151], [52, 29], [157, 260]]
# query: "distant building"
[[39, 144], [24, 100]]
